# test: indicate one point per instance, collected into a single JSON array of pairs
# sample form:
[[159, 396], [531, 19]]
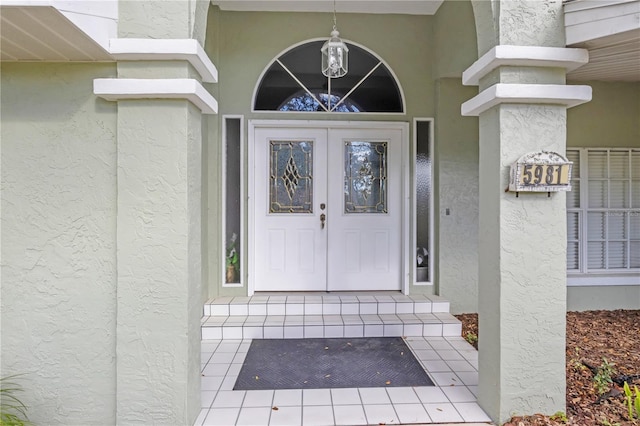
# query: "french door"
[[327, 208]]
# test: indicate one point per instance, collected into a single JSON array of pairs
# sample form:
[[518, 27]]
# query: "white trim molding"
[[137, 49], [114, 89], [524, 56], [552, 94], [589, 20]]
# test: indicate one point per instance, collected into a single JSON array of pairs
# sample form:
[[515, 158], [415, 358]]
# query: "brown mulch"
[[592, 337]]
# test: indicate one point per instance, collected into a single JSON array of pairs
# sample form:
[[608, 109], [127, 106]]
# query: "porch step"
[[316, 316]]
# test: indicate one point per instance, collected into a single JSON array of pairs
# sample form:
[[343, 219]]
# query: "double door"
[[327, 209]]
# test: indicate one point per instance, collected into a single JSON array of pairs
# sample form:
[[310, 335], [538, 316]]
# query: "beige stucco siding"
[[456, 159], [611, 119], [247, 42], [456, 155], [58, 241], [603, 297]]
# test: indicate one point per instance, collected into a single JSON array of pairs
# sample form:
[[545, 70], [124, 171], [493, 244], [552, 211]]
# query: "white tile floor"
[[450, 361]]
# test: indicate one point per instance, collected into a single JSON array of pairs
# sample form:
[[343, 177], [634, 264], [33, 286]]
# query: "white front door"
[[327, 209]]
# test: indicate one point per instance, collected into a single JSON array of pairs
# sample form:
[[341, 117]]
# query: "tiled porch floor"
[[450, 361]]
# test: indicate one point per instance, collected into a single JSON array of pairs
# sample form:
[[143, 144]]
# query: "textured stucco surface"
[[522, 287], [199, 12], [159, 269], [518, 23], [162, 19], [522, 240], [457, 190], [530, 23], [455, 37], [456, 160], [159, 228], [58, 247]]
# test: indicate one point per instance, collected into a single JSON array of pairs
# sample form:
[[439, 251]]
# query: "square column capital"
[[524, 56]]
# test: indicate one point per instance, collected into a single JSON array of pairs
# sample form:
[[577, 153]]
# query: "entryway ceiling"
[[611, 58], [56, 31], [610, 30], [411, 7]]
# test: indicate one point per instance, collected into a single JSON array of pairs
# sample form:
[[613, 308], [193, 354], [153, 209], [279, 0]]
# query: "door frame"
[[406, 239]]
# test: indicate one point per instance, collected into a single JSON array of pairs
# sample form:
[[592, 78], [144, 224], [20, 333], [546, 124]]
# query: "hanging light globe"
[[335, 56]]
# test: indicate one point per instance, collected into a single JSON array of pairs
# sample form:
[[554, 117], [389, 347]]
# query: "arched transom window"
[[294, 82]]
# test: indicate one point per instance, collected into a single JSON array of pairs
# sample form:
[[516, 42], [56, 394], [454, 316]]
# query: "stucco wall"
[[586, 298], [165, 19], [455, 39], [611, 119], [58, 246], [457, 195], [456, 154], [249, 41]]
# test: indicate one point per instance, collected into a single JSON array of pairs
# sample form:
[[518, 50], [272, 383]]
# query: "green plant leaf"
[[13, 412]]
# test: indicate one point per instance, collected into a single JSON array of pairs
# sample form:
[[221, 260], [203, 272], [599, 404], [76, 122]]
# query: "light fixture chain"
[[335, 62]]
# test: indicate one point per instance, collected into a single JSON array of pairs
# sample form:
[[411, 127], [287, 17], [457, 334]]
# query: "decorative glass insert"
[[303, 101], [291, 177], [365, 177], [423, 192]]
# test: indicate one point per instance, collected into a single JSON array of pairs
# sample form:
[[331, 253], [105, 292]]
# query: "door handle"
[[323, 217]]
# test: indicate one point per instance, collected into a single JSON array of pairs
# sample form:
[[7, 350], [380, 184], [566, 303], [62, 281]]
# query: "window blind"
[[610, 239]]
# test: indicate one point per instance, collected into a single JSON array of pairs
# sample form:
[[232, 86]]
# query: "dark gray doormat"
[[330, 363]]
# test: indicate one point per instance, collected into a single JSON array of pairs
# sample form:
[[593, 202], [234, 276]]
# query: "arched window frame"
[[349, 42]]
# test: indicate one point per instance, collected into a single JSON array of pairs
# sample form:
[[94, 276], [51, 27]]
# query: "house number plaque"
[[543, 171]]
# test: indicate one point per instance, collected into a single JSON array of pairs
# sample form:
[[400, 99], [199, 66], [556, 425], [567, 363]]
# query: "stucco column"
[[161, 65], [522, 293], [159, 262], [522, 241]]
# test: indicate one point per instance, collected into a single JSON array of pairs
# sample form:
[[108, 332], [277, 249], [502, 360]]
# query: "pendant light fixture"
[[335, 53]]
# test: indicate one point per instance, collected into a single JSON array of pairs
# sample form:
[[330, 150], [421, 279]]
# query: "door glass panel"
[[365, 177], [233, 200], [423, 171], [291, 177]]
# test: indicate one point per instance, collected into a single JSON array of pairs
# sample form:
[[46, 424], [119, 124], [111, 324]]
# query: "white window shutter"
[[603, 230]]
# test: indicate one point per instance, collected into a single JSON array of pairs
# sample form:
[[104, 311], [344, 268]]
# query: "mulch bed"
[[592, 337]]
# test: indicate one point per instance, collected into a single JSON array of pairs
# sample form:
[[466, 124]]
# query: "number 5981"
[[544, 174]]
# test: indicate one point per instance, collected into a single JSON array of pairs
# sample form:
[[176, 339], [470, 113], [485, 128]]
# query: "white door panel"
[[290, 247], [360, 246], [365, 241]]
